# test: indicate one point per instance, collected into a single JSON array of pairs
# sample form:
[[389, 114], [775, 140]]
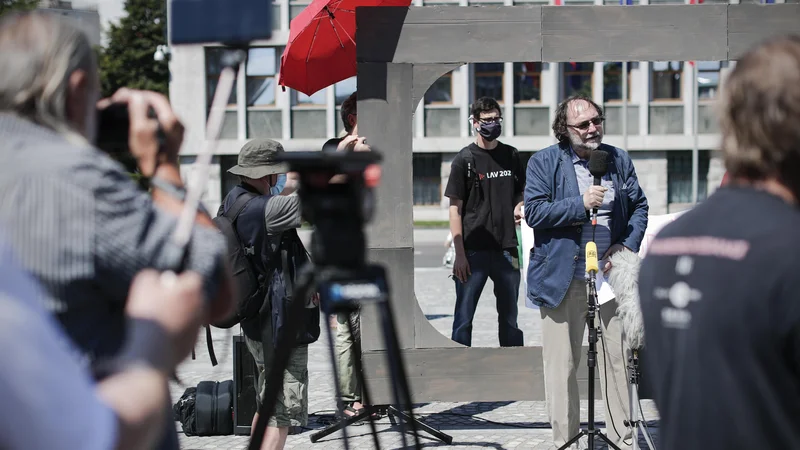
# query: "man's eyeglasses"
[[488, 120], [597, 121]]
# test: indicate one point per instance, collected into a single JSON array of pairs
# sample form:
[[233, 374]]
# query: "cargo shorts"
[[291, 409]]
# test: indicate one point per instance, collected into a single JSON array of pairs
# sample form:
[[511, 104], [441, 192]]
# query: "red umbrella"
[[322, 44]]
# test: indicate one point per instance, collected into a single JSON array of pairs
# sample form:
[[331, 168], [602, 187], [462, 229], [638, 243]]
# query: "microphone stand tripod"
[[591, 361], [633, 393]]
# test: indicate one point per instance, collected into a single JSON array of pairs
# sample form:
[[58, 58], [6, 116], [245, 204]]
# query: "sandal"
[[349, 411]]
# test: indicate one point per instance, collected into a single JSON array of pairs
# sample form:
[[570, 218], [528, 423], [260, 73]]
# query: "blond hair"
[[38, 54]]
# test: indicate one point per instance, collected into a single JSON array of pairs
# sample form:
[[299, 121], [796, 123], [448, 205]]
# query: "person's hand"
[[143, 139], [461, 267], [176, 305], [593, 197], [611, 250], [353, 143], [361, 145], [347, 143], [518, 213]]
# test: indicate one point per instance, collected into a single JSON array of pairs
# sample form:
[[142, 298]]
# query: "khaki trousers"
[[347, 349], [562, 340]]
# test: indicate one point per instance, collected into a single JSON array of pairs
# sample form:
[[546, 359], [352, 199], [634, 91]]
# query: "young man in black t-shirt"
[[348, 342], [485, 191], [718, 286]]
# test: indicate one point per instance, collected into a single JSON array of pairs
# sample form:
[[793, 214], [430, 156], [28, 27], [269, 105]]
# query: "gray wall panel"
[[449, 34], [750, 24], [453, 34], [634, 33], [476, 374], [385, 112]]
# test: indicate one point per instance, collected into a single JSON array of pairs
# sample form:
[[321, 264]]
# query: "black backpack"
[[250, 291]]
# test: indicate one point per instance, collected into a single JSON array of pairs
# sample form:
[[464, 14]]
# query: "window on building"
[[427, 178], [344, 89], [489, 81], [441, 91], [679, 176], [708, 78], [229, 180], [276, 16], [527, 82], [213, 70], [578, 78], [296, 7], [666, 77], [262, 65], [316, 99], [612, 82]]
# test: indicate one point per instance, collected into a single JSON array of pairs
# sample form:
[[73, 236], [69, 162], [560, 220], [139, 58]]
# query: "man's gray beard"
[[580, 146]]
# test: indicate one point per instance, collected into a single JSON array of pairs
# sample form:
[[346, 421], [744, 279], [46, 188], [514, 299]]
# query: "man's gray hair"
[[38, 54]]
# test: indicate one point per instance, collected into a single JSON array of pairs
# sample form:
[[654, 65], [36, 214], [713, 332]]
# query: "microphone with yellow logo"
[[591, 258]]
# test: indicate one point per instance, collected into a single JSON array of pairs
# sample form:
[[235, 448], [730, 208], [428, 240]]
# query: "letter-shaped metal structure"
[[402, 51]]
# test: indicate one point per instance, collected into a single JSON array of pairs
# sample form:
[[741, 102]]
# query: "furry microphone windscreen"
[[624, 280]]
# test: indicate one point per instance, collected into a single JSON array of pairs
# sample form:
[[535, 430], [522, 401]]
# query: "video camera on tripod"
[[341, 275]]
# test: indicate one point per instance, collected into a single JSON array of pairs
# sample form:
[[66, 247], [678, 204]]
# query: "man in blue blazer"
[[559, 195]]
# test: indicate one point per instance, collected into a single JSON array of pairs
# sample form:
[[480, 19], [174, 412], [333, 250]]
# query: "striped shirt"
[[80, 225], [602, 233]]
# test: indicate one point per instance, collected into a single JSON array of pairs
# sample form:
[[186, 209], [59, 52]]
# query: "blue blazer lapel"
[[568, 172]]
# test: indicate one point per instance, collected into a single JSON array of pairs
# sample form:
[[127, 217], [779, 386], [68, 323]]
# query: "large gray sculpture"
[[402, 51]]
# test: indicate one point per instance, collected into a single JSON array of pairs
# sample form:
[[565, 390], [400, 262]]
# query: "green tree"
[[127, 60], [17, 5]]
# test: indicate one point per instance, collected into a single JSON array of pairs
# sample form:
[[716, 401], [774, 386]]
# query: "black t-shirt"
[[489, 196], [721, 312]]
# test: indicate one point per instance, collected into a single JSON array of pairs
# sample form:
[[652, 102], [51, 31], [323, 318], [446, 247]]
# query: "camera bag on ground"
[[214, 408], [206, 410]]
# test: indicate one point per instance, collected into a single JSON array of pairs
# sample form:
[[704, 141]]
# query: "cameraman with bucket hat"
[[266, 227]]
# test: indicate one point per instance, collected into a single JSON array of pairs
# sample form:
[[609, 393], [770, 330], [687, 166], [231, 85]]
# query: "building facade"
[[87, 19], [660, 109]]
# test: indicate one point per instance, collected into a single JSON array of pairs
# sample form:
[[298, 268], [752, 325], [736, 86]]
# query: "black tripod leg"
[[573, 440], [343, 421], [333, 428], [402, 396], [608, 441], [361, 381], [447, 439], [274, 383]]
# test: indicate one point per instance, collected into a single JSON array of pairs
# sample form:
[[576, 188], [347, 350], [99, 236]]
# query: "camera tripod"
[[369, 411], [591, 361], [344, 281]]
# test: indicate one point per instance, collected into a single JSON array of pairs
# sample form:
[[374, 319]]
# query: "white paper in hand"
[[604, 291]]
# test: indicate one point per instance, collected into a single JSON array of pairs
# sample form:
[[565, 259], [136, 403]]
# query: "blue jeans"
[[503, 268]]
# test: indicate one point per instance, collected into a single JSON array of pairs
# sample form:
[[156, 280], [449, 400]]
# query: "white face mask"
[[279, 185]]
